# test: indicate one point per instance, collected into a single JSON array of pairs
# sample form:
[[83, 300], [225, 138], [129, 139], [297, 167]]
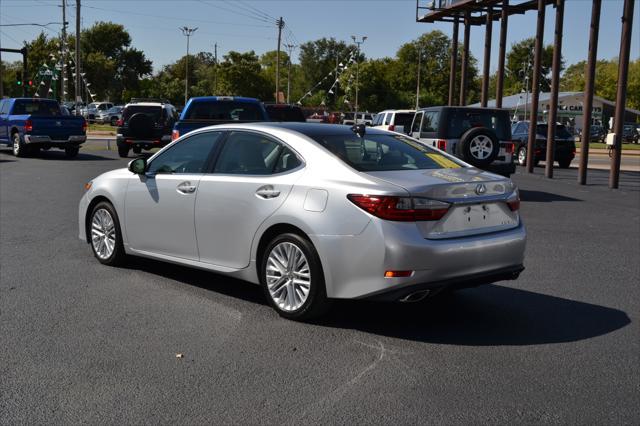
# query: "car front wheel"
[[19, 149], [105, 235], [292, 278]]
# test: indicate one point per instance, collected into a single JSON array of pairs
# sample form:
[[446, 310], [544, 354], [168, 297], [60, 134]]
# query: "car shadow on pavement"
[[199, 278], [542, 196], [490, 315], [60, 155]]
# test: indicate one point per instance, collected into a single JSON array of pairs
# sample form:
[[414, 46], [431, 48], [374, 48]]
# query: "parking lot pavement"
[[85, 343]]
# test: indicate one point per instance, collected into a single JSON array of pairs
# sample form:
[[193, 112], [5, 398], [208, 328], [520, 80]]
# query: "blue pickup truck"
[[210, 110], [30, 124]]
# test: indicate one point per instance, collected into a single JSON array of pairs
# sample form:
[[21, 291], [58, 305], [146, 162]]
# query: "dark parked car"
[[565, 146], [145, 125], [285, 112], [629, 133], [597, 134]]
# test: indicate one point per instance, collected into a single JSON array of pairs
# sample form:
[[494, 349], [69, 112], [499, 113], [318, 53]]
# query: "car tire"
[[478, 146], [20, 149], [123, 151], [522, 156], [137, 150], [565, 163], [105, 236], [71, 151], [278, 272]]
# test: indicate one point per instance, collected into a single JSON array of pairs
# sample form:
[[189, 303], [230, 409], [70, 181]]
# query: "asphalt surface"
[[84, 343]]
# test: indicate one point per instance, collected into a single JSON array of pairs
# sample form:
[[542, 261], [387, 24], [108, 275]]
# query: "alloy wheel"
[[103, 233], [288, 276], [481, 147]]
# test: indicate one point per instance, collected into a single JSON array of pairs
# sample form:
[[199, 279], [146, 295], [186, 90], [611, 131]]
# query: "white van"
[[396, 120]]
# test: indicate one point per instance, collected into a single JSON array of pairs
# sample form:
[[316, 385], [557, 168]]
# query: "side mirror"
[[138, 166]]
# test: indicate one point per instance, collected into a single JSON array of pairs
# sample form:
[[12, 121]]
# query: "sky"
[[244, 25]]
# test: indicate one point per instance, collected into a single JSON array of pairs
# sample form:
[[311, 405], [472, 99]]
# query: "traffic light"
[[19, 78], [30, 83]]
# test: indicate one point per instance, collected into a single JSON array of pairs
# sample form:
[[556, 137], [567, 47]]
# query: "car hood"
[[448, 184]]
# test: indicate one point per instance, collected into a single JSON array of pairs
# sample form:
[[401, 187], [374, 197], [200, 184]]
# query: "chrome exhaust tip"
[[415, 297]]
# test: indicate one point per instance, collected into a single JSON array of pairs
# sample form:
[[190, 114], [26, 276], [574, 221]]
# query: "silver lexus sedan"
[[311, 212]]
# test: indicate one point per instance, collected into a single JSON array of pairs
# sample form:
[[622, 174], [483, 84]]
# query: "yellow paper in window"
[[443, 161]]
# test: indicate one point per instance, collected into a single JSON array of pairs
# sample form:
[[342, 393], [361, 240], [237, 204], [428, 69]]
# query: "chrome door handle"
[[186, 188], [267, 192]]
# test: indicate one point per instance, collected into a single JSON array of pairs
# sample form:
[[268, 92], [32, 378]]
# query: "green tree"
[[521, 53], [240, 74]]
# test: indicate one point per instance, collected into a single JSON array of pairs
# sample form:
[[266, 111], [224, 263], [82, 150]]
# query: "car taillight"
[[84, 126], [509, 147], [28, 125], [392, 128], [120, 123], [175, 135], [442, 144], [403, 209], [514, 202]]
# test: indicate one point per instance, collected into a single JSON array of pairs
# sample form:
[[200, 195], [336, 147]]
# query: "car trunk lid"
[[478, 200]]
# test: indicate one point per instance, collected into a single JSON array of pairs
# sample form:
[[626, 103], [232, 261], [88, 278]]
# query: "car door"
[[429, 128], [252, 177], [159, 205], [415, 125], [4, 111]]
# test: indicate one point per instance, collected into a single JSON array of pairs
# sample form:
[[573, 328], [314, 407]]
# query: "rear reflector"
[[175, 135], [397, 274], [442, 144], [514, 205], [402, 209], [392, 128], [28, 125]]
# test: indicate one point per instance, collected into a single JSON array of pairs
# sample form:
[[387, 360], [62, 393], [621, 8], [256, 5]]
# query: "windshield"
[[561, 131], [36, 108], [224, 110], [384, 152], [151, 111], [285, 113], [461, 120]]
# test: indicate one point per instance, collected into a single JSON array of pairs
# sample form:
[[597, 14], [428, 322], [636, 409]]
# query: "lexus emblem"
[[58, 123], [481, 189]]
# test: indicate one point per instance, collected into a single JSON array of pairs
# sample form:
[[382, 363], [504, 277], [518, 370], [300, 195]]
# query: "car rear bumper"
[[358, 263], [144, 143], [46, 140]]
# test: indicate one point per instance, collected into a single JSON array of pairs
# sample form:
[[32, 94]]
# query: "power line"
[[235, 11]]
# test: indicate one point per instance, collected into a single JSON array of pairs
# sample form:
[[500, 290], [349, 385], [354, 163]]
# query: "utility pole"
[[290, 48], [77, 88], [418, 79], [215, 74], [355, 40], [280, 23], [63, 54], [187, 33]]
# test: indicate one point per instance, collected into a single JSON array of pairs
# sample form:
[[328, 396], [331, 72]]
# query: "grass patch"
[[94, 127], [625, 146]]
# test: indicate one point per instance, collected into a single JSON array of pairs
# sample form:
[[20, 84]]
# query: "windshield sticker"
[[443, 161]]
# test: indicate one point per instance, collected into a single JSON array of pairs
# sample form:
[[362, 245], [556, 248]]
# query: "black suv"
[[479, 136], [565, 146], [145, 124]]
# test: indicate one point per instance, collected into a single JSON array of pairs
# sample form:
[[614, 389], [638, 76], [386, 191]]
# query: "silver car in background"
[[311, 212]]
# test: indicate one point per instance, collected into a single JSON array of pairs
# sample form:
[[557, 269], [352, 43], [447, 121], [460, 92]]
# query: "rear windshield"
[[404, 119], [223, 110], [36, 108], [384, 152], [283, 113], [154, 112], [561, 131], [459, 121]]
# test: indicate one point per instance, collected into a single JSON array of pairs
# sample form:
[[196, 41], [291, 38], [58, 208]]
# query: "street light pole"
[[290, 48], [358, 43], [418, 79], [187, 33]]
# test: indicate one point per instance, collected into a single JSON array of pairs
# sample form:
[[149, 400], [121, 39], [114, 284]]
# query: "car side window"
[[187, 156], [248, 153], [415, 127], [387, 120], [4, 107], [288, 161], [430, 122]]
